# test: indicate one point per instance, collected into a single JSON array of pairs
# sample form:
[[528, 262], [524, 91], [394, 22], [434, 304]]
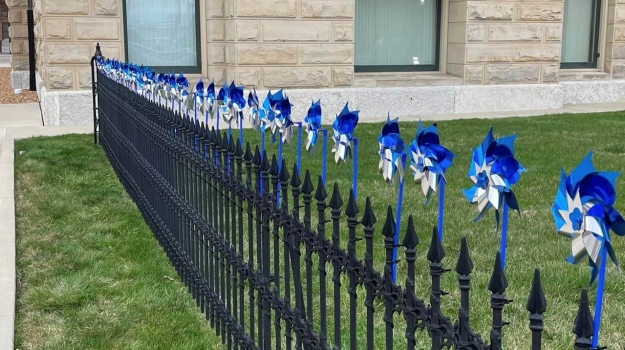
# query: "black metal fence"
[[259, 271]]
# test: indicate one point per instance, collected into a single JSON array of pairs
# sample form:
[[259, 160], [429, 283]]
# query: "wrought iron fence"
[[250, 263]]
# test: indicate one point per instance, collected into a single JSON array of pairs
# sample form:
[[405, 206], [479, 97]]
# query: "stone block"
[[619, 15], [16, 47], [327, 54], [618, 51], [216, 30], [69, 53], [489, 11], [512, 74], [60, 78], [57, 28], [97, 29], [474, 74], [593, 91], [15, 15], [84, 78], [489, 53], [215, 9], [19, 62], [266, 54], [515, 32], [551, 74], [457, 33], [297, 77], [484, 99], [66, 7], [619, 32], [216, 53], [218, 73], [75, 107], [17, 3], [476, 32], [20, 79], [248, 76], [106, 7], [247, 30], [537, 52], [540, 12], [17, 31], [296, 31], [328, 9], [456, 53], [267, 8], [553, 32], [342, 76], [343, 32], [109, 49]]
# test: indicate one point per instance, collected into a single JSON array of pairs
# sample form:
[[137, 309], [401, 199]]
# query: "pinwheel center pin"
[[577, 219], [482, 179]]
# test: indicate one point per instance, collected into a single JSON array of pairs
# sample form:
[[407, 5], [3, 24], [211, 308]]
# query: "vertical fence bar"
[[583, 325], [411, 240], [389, 244], [307, 190], [336, 202], [536, 305], [94, 90], [435, 257], [266, 264], [274, 171], [252, 194], [368, 221], [284, 223], [352, 222], [239, 305], [321, 195], [295, 234], [259, 248], [497, 285]]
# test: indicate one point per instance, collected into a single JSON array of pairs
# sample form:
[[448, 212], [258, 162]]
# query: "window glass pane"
[[578, 35], [395, 32], [162, 32]]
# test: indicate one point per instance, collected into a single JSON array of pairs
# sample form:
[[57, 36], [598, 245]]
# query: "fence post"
[[320, 196], [274, 172], [466, 338], [285, 223], [258, 201], [368, 221], [389, 243], [497, 285], [240, 193], [307, 190], [353, 273], [583, 327], [536, 305], [410, 242], [251, 194], [336, 202], [94, 91], [266, 263]]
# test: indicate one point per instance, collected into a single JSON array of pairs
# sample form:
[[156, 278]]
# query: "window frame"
[[413, 67], [198, 44], [593, 63]]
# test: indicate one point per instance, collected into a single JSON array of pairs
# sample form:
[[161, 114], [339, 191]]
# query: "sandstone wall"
[[66, 33], [281, 43], [615, 40], [500, 42]]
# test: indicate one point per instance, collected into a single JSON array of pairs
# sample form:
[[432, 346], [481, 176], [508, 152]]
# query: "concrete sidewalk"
[[23, 121], [16, 122]]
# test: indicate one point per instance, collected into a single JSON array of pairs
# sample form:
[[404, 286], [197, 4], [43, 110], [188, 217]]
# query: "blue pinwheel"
[[231, 101], [282, 110], [313, 124], [429, 160], [493, 171], [343, 129], [584, 211], [391, 151], [196, 102], [255, 109], [268, 116]]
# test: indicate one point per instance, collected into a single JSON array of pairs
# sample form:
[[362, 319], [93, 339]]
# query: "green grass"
[[76, 206], [90, 273], [544, 146]]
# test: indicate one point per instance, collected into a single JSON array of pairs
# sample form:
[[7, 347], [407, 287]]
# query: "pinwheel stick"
[[324, 155], [441, 209], [504, 236], [241, 131], [400, 200], [355, 169], [299, 146], [599, 298]]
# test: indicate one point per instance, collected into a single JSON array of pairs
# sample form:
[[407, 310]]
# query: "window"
[[397, 35], [163, 34], [580, 33]]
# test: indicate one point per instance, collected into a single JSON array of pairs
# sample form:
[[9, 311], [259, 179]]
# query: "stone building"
[[409, 57]]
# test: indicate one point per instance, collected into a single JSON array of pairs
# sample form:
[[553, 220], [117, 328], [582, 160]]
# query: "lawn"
[[93, 277], [90, 273]]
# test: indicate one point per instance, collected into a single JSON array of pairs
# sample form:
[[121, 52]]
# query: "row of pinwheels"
[[583, 209]]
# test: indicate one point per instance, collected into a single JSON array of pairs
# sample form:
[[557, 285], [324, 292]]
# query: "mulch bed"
[[6, 92]]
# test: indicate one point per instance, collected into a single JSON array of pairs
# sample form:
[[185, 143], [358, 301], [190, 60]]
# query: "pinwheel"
[[282, 111], [493, 171], [313, 124], [392, 162], [196, 99], [344, 126], [584, 211], [391, 151], [210, 99], [429, 163], [255, 109], [267, 118], [231, 102]]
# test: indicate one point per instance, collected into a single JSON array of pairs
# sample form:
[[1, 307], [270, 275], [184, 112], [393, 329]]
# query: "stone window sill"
[[410, 79], [582, 75]]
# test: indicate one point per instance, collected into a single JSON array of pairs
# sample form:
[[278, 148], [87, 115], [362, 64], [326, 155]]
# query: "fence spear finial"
[[464, 267], [336, 202], [295, 179], [321, 193], [498, 282], [583, 328], [411, 240], [284, 173], [436, 253], [389, 224], [308, 187], [368, 218], [352, 207]]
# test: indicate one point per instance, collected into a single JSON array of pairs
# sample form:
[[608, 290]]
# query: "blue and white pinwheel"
[[282, 110], [255, 109], [268, 116], [231, 102], [493, 171], [429, 160], [584, 211], [391, 150], [313, 124], [197, 102], [343, 133]]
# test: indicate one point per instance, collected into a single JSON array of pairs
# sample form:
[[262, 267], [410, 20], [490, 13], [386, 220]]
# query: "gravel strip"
[[6, 92]]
